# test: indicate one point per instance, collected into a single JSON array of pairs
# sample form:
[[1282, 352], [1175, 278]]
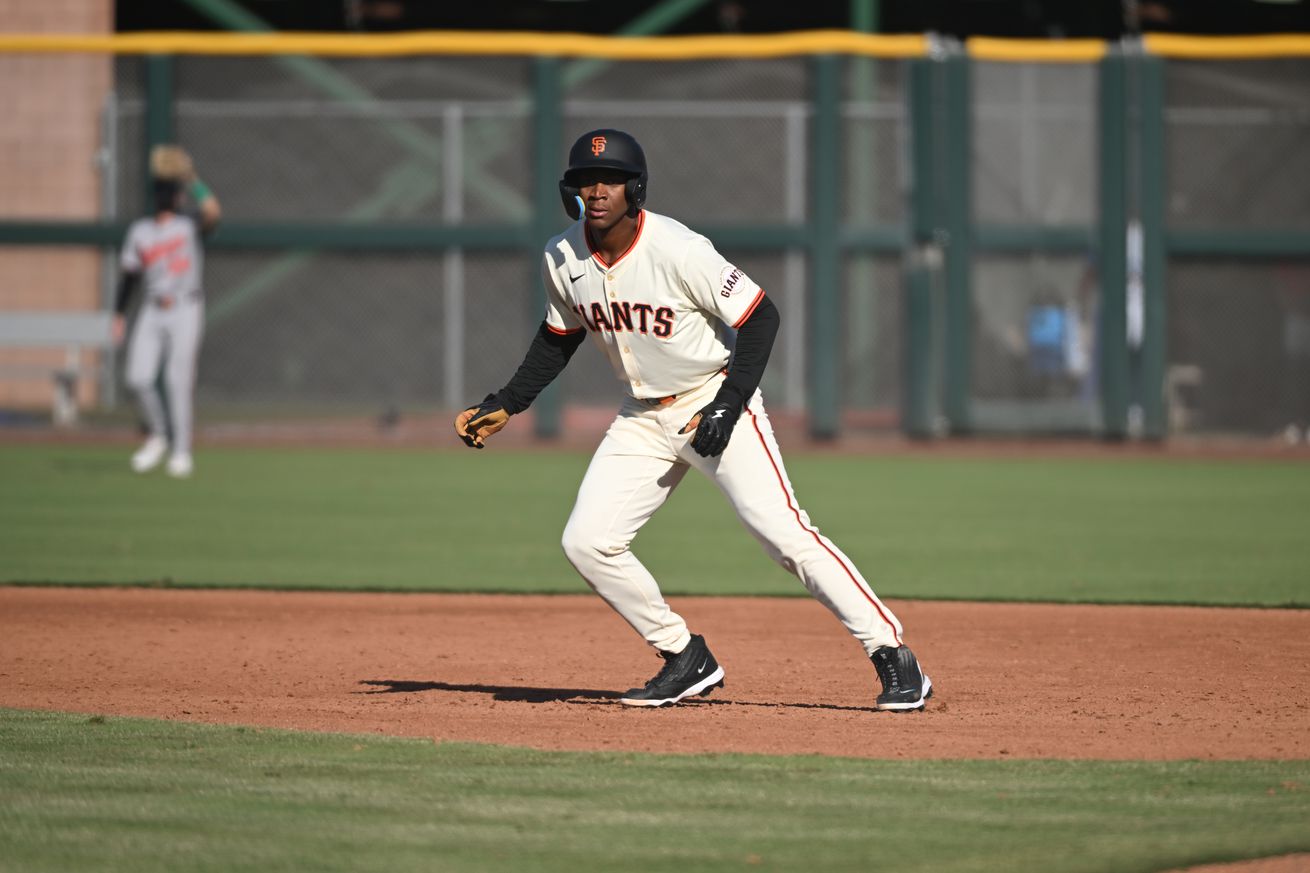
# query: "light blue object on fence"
[[1048, 330]]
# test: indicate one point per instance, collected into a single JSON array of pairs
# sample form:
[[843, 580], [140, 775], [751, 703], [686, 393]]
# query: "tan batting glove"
[[476, 423]]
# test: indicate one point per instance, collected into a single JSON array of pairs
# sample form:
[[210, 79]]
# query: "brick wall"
[[51, 106]]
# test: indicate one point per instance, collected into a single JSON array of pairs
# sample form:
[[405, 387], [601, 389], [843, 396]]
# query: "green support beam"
[[825, 251], [417, 236], [1023, 239], [941, 230], [1151, 210], [1112, 341], [918, 393], [1238, 243], [873, 240], [353, 236], [755, 237], [62, 233], [922, 261], [925, 187], [863, 169], [957, 206], [159, 117], [299, 236], [547, 214], [1003, 239]]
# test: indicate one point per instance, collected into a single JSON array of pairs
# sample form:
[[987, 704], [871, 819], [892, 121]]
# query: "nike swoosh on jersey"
[[573, 278]]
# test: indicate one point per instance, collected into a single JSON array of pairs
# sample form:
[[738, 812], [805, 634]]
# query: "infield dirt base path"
[[1110, 682]]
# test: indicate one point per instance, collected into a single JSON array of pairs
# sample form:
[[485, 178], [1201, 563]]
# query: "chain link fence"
[[1034, 313], [449, 141], [1239, 330]]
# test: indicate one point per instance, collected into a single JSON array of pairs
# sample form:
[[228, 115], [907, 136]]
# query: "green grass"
[[111, 794], [1100, 530]]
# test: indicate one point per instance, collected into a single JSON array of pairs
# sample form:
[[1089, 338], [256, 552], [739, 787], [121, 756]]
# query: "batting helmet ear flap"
[[635, 189], [569, 194]]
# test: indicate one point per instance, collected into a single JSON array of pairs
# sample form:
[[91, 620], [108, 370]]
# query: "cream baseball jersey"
[[657, 311]]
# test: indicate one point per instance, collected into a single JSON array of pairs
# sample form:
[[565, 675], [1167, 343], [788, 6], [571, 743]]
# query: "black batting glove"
[[714, 429]]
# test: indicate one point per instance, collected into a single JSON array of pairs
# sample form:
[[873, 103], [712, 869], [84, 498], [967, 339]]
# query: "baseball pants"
[[638, 464], [169, 338]]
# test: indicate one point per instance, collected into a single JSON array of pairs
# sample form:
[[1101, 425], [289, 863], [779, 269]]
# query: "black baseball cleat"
[[691, 672], [904, 686]]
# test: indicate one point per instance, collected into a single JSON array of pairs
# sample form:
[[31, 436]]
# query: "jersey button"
[[609, 277], [627, 351]]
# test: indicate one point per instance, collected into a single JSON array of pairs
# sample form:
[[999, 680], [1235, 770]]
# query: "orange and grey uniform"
[[165, 251], [662, 313]]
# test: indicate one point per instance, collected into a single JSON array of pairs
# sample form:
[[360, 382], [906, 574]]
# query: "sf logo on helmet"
[[597, 144]]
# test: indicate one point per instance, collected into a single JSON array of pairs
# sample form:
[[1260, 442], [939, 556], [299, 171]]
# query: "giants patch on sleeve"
[[732, 281]]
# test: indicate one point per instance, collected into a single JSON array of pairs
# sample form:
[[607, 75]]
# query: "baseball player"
[[162, 251], [661, 304]]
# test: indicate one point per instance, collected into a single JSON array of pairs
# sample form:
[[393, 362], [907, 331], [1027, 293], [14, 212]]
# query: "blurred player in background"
[[162, 252], [1292, 282]]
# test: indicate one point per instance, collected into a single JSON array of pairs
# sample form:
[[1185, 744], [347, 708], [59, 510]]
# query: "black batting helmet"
[[607, 149]]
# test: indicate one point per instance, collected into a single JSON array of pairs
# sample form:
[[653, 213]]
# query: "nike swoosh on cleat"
[[701, 669]]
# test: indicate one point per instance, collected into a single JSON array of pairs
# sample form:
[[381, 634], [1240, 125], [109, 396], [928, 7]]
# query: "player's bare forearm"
[[211, 213], [127, 285]]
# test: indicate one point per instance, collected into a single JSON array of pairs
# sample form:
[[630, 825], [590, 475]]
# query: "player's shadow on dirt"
[[522, 694], [584, 696]]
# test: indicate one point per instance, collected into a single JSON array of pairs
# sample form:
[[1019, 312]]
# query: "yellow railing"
[[459, 42], [1278, 45], [655, 48], [1062, 51]]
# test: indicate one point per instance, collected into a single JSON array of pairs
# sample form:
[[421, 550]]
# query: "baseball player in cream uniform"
[[162, 252], [662, 304]]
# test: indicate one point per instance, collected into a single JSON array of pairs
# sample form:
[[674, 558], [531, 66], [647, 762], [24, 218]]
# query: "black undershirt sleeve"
[[546, 359], [126, 288], [754, 343]]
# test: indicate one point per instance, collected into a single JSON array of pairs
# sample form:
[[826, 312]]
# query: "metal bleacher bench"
[[72, 331]]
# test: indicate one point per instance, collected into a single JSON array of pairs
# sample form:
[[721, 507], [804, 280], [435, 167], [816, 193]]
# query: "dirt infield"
[[1013, 680]]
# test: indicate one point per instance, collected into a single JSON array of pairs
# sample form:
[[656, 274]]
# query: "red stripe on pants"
[[796, 512]]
